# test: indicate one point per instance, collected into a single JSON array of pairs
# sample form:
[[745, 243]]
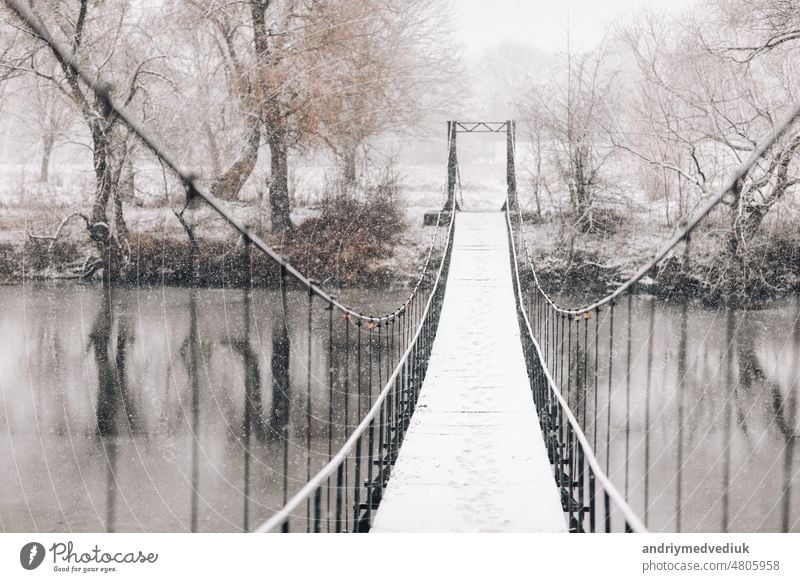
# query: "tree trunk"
[[119, 220], [110, 157], [213, 148], [99, 230], [281, 354], [48, 141], [124, 190], [747, 213], [273, 115], [581, 191], [228, 185], [349, 157], [279, 180]]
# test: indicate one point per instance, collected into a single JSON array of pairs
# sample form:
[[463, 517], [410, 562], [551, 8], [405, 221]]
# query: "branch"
[[140, 70], [751, 52], [61, 226], [662, 164]]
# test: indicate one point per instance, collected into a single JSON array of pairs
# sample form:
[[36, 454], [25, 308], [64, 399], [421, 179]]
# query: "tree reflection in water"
[[116, 411]]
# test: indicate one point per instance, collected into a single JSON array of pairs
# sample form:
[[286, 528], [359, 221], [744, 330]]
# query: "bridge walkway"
[[474, 458]]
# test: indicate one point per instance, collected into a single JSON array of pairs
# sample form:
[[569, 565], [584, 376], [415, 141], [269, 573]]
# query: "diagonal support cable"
[[686, 227], [102, 90]]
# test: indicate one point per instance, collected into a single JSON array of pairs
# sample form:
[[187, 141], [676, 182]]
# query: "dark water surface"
[[104, 425], [703, 422]]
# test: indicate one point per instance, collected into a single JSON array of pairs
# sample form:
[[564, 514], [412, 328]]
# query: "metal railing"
[[682, 233], [358, 473], [193, 188], [563, 360], [589, 499], [387, 353]]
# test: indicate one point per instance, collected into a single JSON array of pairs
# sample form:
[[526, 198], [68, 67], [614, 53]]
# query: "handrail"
[[687, 225], [340, 457], [631, 518], [193, 188]]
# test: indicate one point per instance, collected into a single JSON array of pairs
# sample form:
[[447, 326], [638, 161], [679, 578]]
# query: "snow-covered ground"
[[28, 206]]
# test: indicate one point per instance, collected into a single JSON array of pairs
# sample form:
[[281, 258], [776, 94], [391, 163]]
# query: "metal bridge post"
[[452, 164], [511, 175]]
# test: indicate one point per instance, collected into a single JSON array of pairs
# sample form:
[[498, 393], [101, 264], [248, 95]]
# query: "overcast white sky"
[[486, 23]]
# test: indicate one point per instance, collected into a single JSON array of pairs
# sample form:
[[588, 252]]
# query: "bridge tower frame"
[[456, 127], [453, 129]]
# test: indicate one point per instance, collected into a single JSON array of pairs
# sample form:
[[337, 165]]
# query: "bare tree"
[[658, 130], [110, 40], [699, 112], [51, 117], [745, 29], [397, 67], [567, 114], [298, 73]]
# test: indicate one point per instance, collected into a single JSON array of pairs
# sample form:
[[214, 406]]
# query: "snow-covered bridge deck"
[[474, 458]]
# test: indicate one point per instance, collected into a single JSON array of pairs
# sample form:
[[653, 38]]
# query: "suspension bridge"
[[467, 408]]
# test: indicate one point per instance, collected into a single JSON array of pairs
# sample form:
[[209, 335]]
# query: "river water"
[[701, 431], [102, 428], [105, 427]]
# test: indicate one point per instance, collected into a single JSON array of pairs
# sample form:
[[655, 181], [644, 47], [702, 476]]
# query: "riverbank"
[[586, 266], [376, 245], [372, 250], [370, 254], [375, 242]]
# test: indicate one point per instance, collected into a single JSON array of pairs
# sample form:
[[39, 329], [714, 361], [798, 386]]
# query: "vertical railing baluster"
[[381, 418], [330, 414], [248, 380], [610, 383], [585, 374], [340, 485], [346, 407], [682, 372], [570, 369], [628, 397], [571, 477], [371, 432], [606, 497], [730, 334], [596, 377], [397, 389], [592, 502], [284, 429], [360, 390], [370, 459], [581, 483], [308, 405], [194, 379], [317, 509], [650, 333], [357, 488]]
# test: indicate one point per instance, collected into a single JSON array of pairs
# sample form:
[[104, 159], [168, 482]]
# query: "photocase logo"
[[31, 555]]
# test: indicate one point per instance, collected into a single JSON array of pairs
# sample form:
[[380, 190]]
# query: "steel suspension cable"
[[560, 361], [686, 227], [573, 437], [194, 189], [417, 350]]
